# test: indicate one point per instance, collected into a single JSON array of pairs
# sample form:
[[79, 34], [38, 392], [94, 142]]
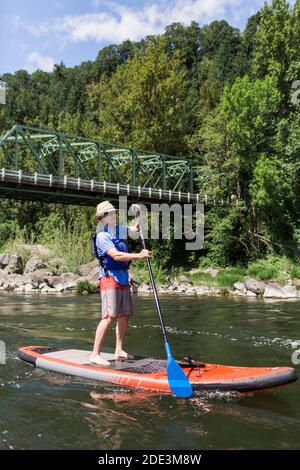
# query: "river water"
[[45, 410]]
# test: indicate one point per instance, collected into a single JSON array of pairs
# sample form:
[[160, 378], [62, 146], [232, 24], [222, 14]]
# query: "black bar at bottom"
[[132, 459]]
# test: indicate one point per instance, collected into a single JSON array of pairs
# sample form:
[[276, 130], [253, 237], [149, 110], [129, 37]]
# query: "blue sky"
[[38, 33]]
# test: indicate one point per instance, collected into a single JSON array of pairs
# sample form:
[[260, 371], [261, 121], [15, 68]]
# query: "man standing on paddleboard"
[[111, 249]]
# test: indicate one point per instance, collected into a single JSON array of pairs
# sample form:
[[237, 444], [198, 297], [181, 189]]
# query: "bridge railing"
[[20, 178]]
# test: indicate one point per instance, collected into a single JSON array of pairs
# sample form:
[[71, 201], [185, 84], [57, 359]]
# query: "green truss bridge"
[[47, 166]]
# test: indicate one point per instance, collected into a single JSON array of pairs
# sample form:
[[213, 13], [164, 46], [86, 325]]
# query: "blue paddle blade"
[[178, 381]]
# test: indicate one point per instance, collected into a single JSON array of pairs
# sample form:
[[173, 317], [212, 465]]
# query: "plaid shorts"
[[116, 298]]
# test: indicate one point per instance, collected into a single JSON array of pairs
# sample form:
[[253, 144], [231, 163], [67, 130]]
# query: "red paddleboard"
[[150, 374]]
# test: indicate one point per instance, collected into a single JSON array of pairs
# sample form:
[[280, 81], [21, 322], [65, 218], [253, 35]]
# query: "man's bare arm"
[[121, 256]]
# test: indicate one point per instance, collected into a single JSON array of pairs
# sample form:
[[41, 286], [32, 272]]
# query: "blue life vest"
[[106, 261]]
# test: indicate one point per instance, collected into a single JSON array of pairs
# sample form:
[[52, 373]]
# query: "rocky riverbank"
[[42, 275], [39, 271], [248, 288]]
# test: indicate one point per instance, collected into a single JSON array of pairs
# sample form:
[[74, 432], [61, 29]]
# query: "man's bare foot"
[[100, 361], [123, 355]]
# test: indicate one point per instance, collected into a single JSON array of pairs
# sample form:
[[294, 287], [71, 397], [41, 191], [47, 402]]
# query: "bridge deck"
[[48, 188]]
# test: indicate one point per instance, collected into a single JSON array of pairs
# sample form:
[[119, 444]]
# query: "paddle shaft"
[[162, 324]]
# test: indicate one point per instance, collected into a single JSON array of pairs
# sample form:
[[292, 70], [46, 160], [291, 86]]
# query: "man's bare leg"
[[99, 338], [121, 329]]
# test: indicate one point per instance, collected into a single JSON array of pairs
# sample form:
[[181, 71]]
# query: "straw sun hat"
[[103, 208]]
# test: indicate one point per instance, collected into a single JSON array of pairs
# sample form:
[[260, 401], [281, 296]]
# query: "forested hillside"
[[219, 95]]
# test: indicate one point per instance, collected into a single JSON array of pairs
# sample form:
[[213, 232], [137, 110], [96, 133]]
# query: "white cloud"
[[120, 22], [38, 61]]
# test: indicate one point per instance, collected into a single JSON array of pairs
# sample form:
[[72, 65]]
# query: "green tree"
[[269, 191], [141, 104], [274, 47], [187, 40], [231, 140], [249, 37], [232, 136]]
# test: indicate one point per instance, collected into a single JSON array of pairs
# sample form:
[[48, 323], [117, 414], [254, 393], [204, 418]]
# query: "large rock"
[[249, 293], [64, 282], [86, 269], [34, 263], [56, 265], [69, 277], [93, 275], [4, 260], [53, 280], [65, 286], [40, 276], [62, 287], [241, 293], [240, 286], [65, 278], [12, 263], [45, 289], [254, 286], [273, 290], [12, 281], [29, 288]]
